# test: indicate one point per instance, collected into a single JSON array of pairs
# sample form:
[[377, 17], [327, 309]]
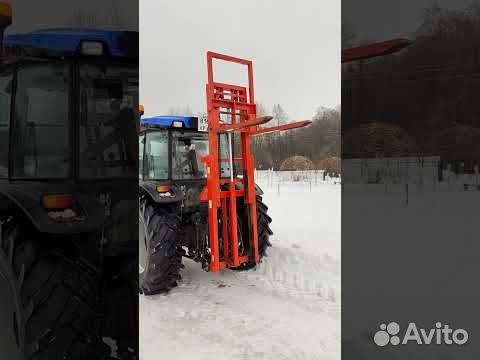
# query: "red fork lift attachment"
[[232, 109], [374, 50]]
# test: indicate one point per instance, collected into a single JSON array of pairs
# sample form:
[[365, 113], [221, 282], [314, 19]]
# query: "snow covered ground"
[[410, 261], [289, 308]]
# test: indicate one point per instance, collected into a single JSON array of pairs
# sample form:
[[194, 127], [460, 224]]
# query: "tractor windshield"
[[187, 152], [108, 121], [59, 122], [41, 131], [154, 155], [6, 86]]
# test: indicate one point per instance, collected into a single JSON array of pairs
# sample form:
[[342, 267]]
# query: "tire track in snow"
[[311, 280], [286, 309], [207, 317]]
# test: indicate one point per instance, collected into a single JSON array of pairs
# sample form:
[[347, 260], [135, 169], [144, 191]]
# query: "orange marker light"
[[163, 188], [57, 201], [5, 15]]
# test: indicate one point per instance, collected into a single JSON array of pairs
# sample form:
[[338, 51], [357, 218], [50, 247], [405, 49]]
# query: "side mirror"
[[5, 15]]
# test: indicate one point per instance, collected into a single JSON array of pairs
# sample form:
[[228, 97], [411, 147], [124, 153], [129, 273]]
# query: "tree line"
[[428, 88], [316, 142]]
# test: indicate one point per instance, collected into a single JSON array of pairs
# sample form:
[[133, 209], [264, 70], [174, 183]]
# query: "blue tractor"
[[173, 222], [198, 196], [68, 193]]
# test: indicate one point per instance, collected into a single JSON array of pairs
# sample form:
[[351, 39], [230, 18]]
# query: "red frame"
[[239, 102]]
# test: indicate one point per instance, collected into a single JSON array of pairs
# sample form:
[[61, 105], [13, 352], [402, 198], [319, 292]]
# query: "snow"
[[419, 258], [288, 308]]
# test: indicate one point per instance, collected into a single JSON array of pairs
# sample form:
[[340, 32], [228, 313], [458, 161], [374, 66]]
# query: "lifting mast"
[[221, 193]]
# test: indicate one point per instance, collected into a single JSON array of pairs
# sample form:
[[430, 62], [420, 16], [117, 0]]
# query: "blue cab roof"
[[189, 122], [68, 40]]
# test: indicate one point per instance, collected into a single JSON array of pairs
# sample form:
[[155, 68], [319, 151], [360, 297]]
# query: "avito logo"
[[441, 334]]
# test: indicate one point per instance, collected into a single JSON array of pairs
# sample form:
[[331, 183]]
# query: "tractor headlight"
[[177, 124], [92, 48]]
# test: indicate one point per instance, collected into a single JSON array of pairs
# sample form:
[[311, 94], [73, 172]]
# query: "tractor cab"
[[76, 86], [68, 119], [178, 136], [172, 153]]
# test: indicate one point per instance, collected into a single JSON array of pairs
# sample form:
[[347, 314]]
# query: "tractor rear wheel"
[[160, 249], [264, 233], [48, 301]]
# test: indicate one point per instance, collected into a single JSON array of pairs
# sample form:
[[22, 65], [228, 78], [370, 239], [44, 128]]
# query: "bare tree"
[[316, 142], [348, 34], [280, 117], [261, 109]]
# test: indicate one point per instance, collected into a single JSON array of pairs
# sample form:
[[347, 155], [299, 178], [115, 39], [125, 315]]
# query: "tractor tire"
[[264, 233], [121, 317], [49, 300], [161, 257]]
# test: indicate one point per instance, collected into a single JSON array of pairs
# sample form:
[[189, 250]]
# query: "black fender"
[[258, 190], [28, 201], [150, 188]]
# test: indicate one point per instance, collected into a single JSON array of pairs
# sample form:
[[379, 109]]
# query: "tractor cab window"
[[141, 150], [108, 121], [224, 155], [187, 152], [5, 98], [41, 133], [155, 161]]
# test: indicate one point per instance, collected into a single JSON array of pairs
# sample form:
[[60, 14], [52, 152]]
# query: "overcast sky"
[[30, 15], [294, 45]]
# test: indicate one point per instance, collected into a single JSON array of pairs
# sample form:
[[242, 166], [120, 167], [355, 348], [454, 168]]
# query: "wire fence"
[[409, 177], [276, 180], [422, 171], [406, 177]]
